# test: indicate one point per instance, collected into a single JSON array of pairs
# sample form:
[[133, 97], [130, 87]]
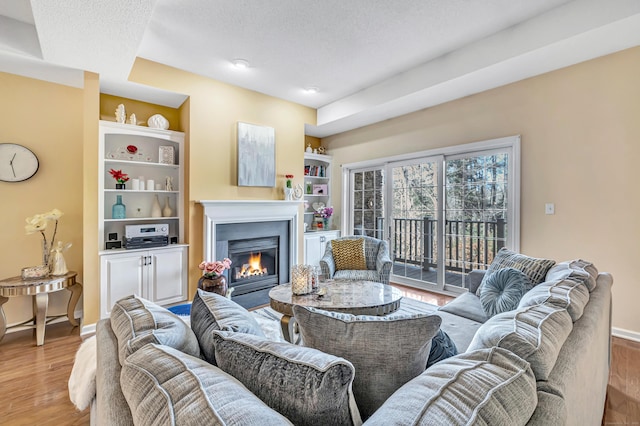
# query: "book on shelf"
[[315, 170]]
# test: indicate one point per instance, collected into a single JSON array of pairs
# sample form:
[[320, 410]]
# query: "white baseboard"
[[87, 330], [625, 334]]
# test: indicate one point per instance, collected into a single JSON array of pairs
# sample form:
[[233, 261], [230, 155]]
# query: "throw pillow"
[[485, 387], [535, 333], [577, 270], [442, 347], [567, 294], [305, 385], [535, 268], [164, 386], [386, 352], [503, 290], [210, 312], [136, 322], [348, 254]]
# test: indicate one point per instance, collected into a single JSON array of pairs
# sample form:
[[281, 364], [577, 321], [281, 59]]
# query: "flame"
[[253, 267], [254, 262]]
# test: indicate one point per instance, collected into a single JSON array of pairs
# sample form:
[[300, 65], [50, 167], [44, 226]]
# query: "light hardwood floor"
[[33, 380]]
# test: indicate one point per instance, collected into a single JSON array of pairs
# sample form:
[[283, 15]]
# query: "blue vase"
[[118, 211]]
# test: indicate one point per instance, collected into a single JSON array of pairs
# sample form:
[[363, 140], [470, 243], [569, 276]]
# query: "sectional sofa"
[[544, 362]]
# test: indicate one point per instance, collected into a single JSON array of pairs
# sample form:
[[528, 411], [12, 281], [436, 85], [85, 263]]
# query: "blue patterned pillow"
[[502, 290], [442, 347]]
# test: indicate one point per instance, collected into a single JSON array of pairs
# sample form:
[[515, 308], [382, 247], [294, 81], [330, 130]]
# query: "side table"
[[40, 288]]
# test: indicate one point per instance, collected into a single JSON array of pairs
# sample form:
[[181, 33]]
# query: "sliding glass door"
[[415, 197], [443, 215]]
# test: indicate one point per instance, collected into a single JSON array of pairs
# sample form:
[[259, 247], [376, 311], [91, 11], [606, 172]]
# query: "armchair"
[[376, 253]]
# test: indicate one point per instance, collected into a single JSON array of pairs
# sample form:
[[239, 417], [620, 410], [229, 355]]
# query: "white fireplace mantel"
[[249, 211]]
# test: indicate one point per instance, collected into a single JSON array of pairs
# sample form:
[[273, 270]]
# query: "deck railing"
[[468, 244]]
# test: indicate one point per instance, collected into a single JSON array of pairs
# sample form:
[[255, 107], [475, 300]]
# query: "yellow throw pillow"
[[349, 254]]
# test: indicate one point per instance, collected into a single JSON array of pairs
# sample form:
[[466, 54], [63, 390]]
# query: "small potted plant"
[[288, 189], [212, 279], [120, 178]]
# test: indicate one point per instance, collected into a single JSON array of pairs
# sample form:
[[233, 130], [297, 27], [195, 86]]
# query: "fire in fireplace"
[[252, 268], [255, 260]]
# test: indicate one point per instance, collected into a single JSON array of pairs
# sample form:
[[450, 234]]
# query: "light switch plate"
[[549, 208]]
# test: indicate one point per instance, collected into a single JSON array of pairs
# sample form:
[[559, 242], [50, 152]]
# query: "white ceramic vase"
[[288, 194], [156, 210], [167, 211]]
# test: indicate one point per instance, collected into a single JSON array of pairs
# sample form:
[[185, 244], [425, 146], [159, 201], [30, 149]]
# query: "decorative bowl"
[[157, 121]]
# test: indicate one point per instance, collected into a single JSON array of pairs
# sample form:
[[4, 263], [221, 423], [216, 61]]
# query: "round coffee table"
[[353, 297]]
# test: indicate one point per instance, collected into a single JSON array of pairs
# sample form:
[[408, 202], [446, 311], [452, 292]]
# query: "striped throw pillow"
[[534, 268]]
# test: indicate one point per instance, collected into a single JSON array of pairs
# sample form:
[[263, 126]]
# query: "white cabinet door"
[[315, 244], [121, 276], [312, 249], [168, 275]]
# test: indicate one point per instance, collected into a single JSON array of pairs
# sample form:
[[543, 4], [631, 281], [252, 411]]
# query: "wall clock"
[[17, 162]]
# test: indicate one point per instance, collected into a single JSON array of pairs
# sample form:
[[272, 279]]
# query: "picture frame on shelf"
[[256, 155], [166, 155], [320, 189]]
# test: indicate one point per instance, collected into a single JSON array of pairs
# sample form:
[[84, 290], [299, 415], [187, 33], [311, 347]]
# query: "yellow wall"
[[142, 110], [91, 157], [580, 150], [48, 119], [214, 110]]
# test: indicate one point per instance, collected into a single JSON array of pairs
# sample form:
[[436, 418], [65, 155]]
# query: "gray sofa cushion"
[[136, 322], [386, 352], [467, 305], [486, 387], [502, 291], [577, 270], [307, 386], [551, 410], [567, 294], [535, 333], [535, 268], [210, 312], [164, 386]]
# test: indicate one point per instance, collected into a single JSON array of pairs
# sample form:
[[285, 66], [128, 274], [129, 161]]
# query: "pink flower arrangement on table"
[[214, 269], [326, 212]]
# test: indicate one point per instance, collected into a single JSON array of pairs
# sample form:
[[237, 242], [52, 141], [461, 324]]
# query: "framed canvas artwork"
[[256, 155]]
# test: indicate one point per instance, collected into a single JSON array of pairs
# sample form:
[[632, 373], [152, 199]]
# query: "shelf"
[[316, 195], [316, 177], [137, 219], [140, 163], [142, 191]]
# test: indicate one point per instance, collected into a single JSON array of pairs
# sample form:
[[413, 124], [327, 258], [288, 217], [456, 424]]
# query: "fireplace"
[[260, 238], [259, 255]]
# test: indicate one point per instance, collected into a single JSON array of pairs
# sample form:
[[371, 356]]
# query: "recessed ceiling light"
[[240, 63], [311, 90]]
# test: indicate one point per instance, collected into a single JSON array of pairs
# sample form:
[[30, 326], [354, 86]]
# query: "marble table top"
[[354, 297]]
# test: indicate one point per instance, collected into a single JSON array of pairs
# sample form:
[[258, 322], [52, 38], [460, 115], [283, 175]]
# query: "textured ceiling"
[[370, 59]]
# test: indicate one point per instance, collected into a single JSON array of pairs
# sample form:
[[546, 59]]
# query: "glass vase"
[[301, 282], [216, 284], [46, 251], [118, 210]]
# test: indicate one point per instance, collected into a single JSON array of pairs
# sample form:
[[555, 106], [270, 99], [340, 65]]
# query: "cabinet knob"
[[323, 239]]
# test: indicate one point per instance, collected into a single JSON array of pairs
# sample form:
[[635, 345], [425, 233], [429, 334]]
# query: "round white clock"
[[17, 162]]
